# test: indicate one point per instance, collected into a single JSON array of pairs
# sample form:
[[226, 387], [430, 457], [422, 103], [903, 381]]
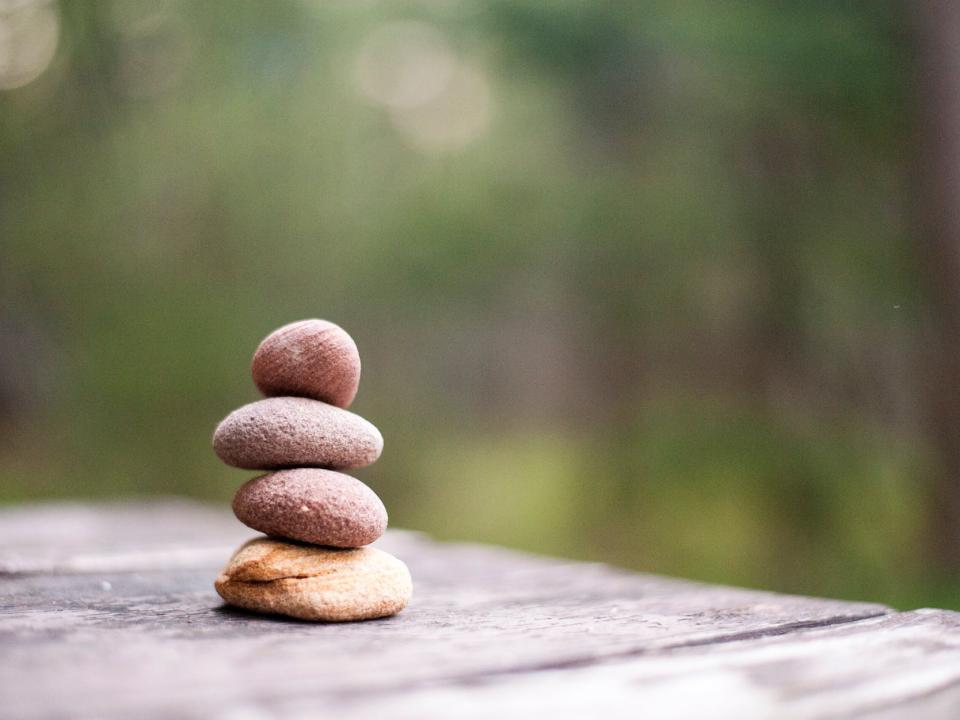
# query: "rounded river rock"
[[315, 583], [311, 358], [287, 432], [315, 506]]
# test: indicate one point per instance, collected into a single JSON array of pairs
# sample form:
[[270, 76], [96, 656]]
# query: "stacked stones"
[[313, 566]]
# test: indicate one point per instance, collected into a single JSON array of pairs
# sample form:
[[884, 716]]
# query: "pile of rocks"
[[313, 566]]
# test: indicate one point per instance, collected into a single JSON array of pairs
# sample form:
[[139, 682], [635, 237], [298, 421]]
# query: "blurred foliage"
[[636, 283]]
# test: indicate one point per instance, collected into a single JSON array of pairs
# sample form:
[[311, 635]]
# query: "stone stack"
[[313, 565]]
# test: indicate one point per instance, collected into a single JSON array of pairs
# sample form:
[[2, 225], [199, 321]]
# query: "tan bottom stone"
[[315, 583]]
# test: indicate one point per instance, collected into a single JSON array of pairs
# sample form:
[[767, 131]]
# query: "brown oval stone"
[[295, 432], [315, 583], [311, 358], [322, 507]]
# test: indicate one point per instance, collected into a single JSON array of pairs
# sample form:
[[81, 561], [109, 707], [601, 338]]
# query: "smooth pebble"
[[288, 432], [310, 358], [316, 506]]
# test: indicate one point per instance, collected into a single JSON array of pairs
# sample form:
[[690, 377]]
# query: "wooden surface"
[[109, 612]]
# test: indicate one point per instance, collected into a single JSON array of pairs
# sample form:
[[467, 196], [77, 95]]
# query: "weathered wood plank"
[[74, 537], [84, 624], [895, 666]]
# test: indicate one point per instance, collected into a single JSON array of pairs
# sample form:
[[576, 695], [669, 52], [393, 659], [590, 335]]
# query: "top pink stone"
[[310, 358]]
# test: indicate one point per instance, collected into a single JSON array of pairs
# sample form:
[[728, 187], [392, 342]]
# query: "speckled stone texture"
[[322, 507], [288, 432], [314, 583], [310, 358]]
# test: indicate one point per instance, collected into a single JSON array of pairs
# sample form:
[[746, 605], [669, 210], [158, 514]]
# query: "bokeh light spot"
[[29, 34], [452, 119], [404, 64]]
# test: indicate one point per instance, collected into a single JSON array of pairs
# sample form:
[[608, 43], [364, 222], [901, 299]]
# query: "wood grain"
[[109, 612]]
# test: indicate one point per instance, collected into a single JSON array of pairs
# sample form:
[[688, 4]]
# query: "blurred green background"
[[652, 283]]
